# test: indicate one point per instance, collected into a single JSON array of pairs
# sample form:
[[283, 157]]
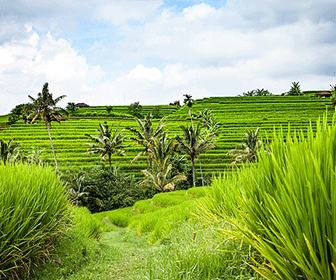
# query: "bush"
[[33, 211], [99, 189], [284, 207]]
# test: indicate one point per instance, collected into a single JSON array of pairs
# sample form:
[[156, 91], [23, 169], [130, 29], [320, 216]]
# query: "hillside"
[[236, 114]]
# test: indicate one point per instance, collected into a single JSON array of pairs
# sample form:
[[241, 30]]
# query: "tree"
[[257, 92], [209, 131], [295, 89], [17, 113], [159, 175], [107, 143], [248, 150], [109, 109], [145, 136], [135, 109], [156, 112], [71, 107], [208, 121], [44, 107], [333, 88], [193, 144], [188, 100]]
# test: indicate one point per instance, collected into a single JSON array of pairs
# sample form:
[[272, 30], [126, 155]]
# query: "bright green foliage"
[[235, 114], [107, 143], [284, 207], [191, 252], [33, 211], [248, 150]]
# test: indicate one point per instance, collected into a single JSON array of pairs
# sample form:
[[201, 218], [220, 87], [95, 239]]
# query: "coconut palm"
[[295, 89], [159, 175], [248, 150], [188, 100], [145, 136], [193, 144], [107, 143], [162, 148], [44, 107]]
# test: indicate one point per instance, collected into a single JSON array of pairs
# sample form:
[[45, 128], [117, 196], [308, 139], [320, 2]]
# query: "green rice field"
[[235, 114]]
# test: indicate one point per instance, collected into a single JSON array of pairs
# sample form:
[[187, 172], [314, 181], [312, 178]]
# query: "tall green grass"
[[285, 206], [33, 213]]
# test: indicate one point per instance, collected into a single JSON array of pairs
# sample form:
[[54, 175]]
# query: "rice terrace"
[[214, 188]]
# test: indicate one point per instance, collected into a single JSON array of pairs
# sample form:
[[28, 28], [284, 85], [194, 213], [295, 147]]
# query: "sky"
[[116, 52]]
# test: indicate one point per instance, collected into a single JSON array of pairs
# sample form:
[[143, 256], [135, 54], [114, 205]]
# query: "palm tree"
[[159, 175], [145, 136], [210, 129], [44, 106], [106, 143], [188, 100], [193, 144], [248, 150], [162, 148], [295, 89]]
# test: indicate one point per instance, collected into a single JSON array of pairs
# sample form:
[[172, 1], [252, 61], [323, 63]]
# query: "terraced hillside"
[[236, 114]]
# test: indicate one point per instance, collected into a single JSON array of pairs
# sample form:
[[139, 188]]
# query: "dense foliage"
[[33, 211], [284, 207], [100, 189]]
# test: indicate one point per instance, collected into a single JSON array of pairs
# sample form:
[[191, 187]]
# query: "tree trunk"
[[199, 159], [110, 163], [193, 171], [52, 146]]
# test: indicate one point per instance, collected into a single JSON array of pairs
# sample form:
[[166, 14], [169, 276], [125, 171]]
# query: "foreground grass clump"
[[285, 206], [33, 213], [191, 252], [77, 251]]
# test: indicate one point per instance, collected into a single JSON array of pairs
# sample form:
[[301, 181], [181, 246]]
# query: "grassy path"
[[117, 255]]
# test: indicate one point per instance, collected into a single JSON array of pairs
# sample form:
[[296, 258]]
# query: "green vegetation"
[[107, 144], [235, 114], [274, 217], [33, 211], [44, 107], [284, 207]]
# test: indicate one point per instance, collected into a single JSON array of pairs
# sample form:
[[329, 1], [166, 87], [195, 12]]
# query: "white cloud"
[[121, 11], [27, 63], [197, 12], [155, 55]]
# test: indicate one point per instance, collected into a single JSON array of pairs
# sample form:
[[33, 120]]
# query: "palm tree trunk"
[[199, 160], [193, 171], [52, 146], [110, 163]]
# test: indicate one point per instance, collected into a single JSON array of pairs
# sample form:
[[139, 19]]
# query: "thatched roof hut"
[[323, 94], [81, 105]]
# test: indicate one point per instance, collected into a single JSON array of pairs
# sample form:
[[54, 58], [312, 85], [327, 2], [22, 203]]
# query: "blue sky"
[[115, 52]]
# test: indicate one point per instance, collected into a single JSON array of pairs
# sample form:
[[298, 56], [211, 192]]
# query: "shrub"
[[100, 189], [284, 207], [33, 211]]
